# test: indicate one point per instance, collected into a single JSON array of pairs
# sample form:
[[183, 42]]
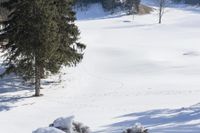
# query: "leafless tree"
[[162, 5]]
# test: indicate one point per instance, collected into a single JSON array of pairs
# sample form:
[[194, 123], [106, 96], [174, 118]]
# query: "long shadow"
[[107, 16], [13, 84], [184, 120], [8, 102], [190, 8], [12, 90], [185, 7], [132, 26]]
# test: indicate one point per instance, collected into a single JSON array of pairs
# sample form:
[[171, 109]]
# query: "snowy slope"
[[133, 71], [92, 12]]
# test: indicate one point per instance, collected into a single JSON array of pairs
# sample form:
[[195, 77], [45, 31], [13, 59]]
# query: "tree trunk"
[[160, 18], [37, 79], [42, 72], [161, 8]]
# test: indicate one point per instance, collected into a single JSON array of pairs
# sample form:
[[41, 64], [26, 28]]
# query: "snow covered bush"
[[68, 125], [137, 128], [48, 130], [80, 128], [64, 124]]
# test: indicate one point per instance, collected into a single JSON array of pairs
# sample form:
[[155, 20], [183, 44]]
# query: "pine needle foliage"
[[41, 36]]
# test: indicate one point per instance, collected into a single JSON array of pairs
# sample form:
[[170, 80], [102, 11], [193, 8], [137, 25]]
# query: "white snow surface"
[[91, 12], [132, 71], [48, 130]]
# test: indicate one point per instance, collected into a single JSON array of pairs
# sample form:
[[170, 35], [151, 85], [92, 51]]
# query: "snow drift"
[[64, 125]]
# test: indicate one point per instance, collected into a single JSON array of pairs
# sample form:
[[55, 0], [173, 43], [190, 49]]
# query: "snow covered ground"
[[133, 71]]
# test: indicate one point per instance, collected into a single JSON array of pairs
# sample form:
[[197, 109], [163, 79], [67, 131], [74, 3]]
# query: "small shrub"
[[80, 128], [137, 128], [68, 125]]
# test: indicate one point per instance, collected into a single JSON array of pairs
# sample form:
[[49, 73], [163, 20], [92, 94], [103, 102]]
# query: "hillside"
[[133, 71]]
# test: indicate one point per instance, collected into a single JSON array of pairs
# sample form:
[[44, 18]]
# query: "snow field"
[[133, 71]]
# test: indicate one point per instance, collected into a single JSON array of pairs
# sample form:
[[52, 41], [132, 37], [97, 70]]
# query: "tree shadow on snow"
[[13, 84], [12, 90], [131, 25], [105, 16], [8, 102], [184, 120]]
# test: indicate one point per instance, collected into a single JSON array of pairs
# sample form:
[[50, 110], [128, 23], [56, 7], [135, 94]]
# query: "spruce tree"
[[109, 5], [129, 6], [136, 4], [132, 6], [41, 37]]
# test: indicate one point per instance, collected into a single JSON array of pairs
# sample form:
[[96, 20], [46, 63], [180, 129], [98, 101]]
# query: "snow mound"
[[63, 122], [137, 128], [68, 125], [48, 130]]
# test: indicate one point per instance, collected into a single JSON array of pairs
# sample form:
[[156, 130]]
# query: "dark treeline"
[[83, 4], [111, 5], [193, 2]]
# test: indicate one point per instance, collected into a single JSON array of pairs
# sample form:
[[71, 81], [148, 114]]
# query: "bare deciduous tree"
[[162, 5]]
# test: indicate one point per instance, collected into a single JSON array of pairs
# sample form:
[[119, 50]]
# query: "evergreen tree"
[[41, 37], [109, 5], [132, 6], [3, 13], [129, 6], [84, 4], [136, 4]]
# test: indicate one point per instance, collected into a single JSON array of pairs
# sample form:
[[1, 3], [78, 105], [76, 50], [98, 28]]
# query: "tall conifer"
[[40, 36]]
